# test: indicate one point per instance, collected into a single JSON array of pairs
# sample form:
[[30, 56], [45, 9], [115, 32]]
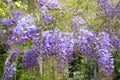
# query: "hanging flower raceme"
[[49, 4], [49, 44], [97, 47], [25, 30], [85, 40], [78, 21], [9, 71], [46, 17], [59, 44], [115, 42], [53, 5], [7, 23], [75, 23], [30, 58], [65, 45], [107, 6], [105, 62], [10, 66]]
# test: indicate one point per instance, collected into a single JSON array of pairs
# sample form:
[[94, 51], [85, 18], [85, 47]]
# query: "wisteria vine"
[[97, 46]]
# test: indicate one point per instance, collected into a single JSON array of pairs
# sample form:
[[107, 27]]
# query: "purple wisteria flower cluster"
[[7, 23], [9, 71], [30, 58], [10, 66], [46, 7], [49, 4], [59, 44], [46, 17], [98, 47], [25, 30], [109, 8], [95, 46]]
